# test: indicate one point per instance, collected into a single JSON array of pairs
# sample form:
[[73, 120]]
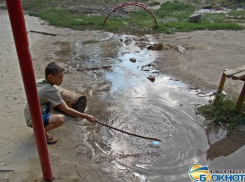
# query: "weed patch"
[[237, 13], [223, 112]]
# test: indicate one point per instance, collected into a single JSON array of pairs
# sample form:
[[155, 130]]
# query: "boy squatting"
[[49, 98]]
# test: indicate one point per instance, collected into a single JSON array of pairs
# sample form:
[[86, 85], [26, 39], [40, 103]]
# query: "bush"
[[223, 112]]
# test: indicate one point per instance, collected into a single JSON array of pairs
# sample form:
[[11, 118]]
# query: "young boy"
[[49, 98]]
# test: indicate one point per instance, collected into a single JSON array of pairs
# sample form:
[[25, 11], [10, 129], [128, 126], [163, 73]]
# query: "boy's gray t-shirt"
[[47, 94]]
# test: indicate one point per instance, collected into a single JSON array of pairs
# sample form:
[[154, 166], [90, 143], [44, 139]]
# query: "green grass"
[[68, 19], [223, 112], [153, 3], [82, 22], [40, 5], [172, 27], [176, 10], [231, 3], [3, 7], [223, 3], [37, 5], [171, 17], [237, 13]]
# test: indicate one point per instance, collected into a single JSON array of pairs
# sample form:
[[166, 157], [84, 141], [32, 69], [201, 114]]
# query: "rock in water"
[[133, 60], [151, 78], [195, 18], [158, 46]]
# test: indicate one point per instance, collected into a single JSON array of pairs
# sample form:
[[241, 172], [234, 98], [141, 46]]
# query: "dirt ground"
[[207, 54]]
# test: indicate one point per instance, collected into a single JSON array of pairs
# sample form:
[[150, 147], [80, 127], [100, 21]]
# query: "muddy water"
[[123, 97]]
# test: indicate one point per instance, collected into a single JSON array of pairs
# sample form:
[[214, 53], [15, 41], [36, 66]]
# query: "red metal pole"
[[17, 20]]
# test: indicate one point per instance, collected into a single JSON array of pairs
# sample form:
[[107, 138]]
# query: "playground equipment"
[[131, 4]]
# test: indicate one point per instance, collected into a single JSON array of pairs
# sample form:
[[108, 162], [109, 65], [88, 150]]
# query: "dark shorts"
[[45, 119], [46, 116]]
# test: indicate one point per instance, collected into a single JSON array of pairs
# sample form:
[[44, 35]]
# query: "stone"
[[106, 67], [133, 60], [151, 78], [142, 38], [156, 71], [158, 46], [128, 41], [218, 7], [146, 69], [195, 18]]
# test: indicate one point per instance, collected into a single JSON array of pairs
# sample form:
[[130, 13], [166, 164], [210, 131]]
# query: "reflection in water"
[[129, 101], [228, 145]]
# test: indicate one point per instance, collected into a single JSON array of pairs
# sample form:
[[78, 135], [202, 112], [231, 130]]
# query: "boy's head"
[[54, 73]]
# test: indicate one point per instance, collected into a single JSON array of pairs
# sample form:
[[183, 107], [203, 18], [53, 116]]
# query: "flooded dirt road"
[[98, 65]]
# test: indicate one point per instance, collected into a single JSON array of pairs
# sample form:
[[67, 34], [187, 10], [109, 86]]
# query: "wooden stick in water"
[[150, 138]]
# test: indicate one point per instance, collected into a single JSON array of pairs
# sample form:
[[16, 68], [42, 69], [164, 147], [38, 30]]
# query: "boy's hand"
[[91, 119]]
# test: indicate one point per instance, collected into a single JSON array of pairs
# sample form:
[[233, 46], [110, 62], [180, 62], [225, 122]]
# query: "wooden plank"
[[221, 86], [241, 99], [239, 76], [230, 72]]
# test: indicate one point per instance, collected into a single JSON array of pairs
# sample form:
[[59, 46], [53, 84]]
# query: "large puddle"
[[163, 109]]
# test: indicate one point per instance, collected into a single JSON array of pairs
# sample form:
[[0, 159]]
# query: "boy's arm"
[[73, 112]]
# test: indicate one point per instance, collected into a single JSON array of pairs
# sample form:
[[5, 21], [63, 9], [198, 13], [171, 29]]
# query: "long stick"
[[44, 33], [150, 138]]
